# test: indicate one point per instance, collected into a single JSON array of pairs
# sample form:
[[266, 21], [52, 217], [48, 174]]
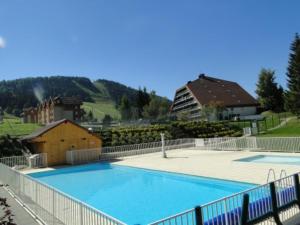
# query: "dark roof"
[[68, 100], [208, 89], [48, 127]]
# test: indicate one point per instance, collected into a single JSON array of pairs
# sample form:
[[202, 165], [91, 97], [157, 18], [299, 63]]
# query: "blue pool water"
[[294, 160], [137, 196]]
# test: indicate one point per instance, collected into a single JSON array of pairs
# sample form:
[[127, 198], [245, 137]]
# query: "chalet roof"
[[48, 127], [67, 100], [209, 89]]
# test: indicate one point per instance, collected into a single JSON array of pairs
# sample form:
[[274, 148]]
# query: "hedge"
[[175, 130]]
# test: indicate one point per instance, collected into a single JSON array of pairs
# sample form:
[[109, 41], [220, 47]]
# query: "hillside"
[[100, 96]]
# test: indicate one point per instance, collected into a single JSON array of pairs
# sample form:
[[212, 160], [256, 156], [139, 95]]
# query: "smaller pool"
[[278, 159]]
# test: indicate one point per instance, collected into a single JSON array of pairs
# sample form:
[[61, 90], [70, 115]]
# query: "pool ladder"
[[272, 172]]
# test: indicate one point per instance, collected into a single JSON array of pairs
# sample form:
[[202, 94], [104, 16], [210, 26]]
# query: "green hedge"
[[176, 130]]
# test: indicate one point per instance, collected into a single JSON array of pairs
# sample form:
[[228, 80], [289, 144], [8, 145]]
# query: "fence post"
[[245, 210], [297, 189], [198, 215], [274, 204]]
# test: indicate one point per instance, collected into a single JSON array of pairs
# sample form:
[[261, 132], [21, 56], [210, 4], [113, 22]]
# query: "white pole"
[[164, 155]]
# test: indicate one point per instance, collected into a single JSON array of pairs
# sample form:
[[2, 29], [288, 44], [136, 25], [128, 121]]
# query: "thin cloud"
[[2, 42]]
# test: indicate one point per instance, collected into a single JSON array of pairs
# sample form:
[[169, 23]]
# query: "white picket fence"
[[83, 156], [50, 205]]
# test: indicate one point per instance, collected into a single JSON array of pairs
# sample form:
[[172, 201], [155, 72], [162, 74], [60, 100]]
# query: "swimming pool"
[[137, 196], [292, 160]]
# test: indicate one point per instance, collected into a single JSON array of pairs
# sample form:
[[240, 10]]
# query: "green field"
[[291, 129], [271, 120], [14, 127], [100, 108]]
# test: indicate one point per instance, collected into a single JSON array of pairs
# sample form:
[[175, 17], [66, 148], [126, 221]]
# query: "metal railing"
[[50, 205], [83, 156], [145, 148], [268, 204], [282, 144], [31, 161], [15, 161]]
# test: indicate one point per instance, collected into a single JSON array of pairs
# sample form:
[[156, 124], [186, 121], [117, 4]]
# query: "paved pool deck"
[[214, 164]]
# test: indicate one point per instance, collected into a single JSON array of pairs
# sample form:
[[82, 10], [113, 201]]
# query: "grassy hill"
[[291, 129], [14, 127], [102, 107], [100, 96]]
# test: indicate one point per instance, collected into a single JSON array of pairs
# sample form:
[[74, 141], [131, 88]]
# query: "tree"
[[125, 108], [270, 96], [292, 96], [142, 99], [158, 108], [90, 116], [107, 119]]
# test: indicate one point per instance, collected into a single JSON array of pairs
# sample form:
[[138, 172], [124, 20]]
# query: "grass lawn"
[[99, 109], [14, 127], [291, 129]]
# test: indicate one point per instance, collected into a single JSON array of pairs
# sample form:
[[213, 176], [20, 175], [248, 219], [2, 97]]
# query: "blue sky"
[[160, 44]]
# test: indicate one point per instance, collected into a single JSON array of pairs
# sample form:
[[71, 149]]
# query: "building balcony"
[[184, 105], [182, 99], [181, 93]]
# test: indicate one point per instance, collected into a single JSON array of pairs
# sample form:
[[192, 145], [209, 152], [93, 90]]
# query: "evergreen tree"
[[270, 96], [107, 119], [90, 116], [142, 99], [158, 108], [125, 108], [293, 78]]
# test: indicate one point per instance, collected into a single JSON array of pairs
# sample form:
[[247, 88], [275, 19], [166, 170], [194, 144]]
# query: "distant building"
[[193, 97], [54, 109], [58, 137], [30, 115]]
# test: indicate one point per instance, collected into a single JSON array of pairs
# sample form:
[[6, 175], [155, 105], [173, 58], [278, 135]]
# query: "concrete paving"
[[215, 164], [21, 216]]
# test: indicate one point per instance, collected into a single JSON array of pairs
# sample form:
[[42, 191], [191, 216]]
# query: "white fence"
[[282, 144], [52, 206], [15, 161], [83, 156], [32, 161], [138, 149]]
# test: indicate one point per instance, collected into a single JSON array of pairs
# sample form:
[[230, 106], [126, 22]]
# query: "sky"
[[160, 44]]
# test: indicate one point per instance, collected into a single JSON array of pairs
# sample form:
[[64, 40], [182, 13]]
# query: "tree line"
[[272, 96], [144, 106]]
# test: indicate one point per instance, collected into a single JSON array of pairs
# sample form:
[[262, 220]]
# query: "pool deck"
[[214, 164]]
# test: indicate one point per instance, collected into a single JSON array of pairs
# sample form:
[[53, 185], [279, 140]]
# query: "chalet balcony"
[[182, 99], [184, 105]]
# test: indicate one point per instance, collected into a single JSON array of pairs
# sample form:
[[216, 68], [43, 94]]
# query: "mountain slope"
[[100, 97]]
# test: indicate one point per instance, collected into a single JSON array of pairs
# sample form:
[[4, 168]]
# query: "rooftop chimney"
[[201, 75]]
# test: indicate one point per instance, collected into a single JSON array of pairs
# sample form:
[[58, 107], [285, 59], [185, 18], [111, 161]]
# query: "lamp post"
[[164, 155]]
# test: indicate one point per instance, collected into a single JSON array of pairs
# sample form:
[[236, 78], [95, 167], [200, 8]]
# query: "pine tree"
[[270, 96], [107, 119], [125, 108], [293, 78]]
